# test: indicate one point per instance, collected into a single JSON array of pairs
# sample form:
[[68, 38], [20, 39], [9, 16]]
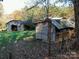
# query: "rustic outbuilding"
[[60, 29], [19, 25]]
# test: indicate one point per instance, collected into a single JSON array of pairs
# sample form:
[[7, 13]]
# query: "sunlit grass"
[[11, 37]]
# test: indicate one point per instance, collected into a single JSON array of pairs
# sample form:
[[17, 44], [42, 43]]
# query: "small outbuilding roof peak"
[[21, 21]]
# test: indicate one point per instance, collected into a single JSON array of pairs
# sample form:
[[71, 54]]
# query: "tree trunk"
[[76, 9]]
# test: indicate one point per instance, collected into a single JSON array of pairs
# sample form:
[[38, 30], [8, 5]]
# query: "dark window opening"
[[28, 27], [14, 27]]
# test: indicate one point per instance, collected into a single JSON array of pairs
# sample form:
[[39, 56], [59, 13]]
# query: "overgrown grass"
[[11, 37]]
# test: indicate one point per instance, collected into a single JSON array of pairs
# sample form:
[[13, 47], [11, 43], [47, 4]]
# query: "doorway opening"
[[14, 28]]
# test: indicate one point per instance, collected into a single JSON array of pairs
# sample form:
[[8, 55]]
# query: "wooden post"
[[49, 37], [49, 27], [10, 55]]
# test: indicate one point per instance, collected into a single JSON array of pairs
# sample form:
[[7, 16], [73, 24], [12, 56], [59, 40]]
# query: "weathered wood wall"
[[42, 31]]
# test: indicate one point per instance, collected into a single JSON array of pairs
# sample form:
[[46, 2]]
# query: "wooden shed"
[[60, 29], [19, 25]]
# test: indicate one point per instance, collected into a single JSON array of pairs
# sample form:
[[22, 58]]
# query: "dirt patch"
[[33, 50]]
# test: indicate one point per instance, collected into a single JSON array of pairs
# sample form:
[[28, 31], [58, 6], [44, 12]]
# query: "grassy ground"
[[10, 37]]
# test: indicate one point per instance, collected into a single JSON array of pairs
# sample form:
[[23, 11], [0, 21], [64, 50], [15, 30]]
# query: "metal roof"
[[28, 22], [63, 24]]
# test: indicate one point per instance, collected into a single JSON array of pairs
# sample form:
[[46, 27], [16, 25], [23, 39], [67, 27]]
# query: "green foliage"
[[11, 37], [34, 13], [66, 12], [54, 11]]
